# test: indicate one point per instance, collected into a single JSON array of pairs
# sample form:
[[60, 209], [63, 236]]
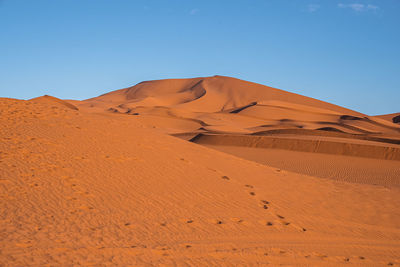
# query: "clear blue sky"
[[342, 51]]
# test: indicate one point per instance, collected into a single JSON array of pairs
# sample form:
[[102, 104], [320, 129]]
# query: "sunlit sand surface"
[[207, 171]]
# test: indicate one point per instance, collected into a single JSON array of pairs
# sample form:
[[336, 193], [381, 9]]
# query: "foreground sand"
[[84, 186]]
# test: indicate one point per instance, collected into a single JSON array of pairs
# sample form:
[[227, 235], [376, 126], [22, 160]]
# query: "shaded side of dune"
[[328, 132], [304, 145]]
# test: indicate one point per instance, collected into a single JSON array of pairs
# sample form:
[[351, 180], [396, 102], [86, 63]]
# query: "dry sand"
[[393, 117], [103, 182]]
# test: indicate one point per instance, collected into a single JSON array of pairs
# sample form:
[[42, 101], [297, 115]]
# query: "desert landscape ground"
[[211, 171]]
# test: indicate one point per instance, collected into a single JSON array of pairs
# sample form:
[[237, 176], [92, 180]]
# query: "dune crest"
[[52, 99]]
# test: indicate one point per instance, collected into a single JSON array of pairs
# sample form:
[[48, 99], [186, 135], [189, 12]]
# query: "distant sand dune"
[[228, 106]]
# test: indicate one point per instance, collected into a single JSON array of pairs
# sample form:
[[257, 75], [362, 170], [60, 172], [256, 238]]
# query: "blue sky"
[[346, 52]]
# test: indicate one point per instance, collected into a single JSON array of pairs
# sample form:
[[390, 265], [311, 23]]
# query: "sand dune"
[[103, 182], [223, 105], [211, 94]]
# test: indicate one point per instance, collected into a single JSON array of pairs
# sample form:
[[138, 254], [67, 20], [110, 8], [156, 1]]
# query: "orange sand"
[[103, 182]]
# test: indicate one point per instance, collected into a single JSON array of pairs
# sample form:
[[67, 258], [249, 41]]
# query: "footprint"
[[264, 204], [252, 193], [281, 220], [269, 224], [225, 177], [85, 208], [162, 248], [189, 221], [321, 256], [249, 186], [216, 221], [237, 220]]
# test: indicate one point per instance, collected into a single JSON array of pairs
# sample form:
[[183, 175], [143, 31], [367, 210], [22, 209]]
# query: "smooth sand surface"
[[103, 182]]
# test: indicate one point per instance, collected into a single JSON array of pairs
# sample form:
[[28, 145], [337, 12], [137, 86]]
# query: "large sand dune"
[[216, 109], [103, 182]]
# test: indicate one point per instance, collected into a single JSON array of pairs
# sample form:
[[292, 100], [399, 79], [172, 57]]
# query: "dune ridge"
[[52, 99]]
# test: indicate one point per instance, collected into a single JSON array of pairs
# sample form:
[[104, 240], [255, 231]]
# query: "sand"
[[115, 180], [393, 117]]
